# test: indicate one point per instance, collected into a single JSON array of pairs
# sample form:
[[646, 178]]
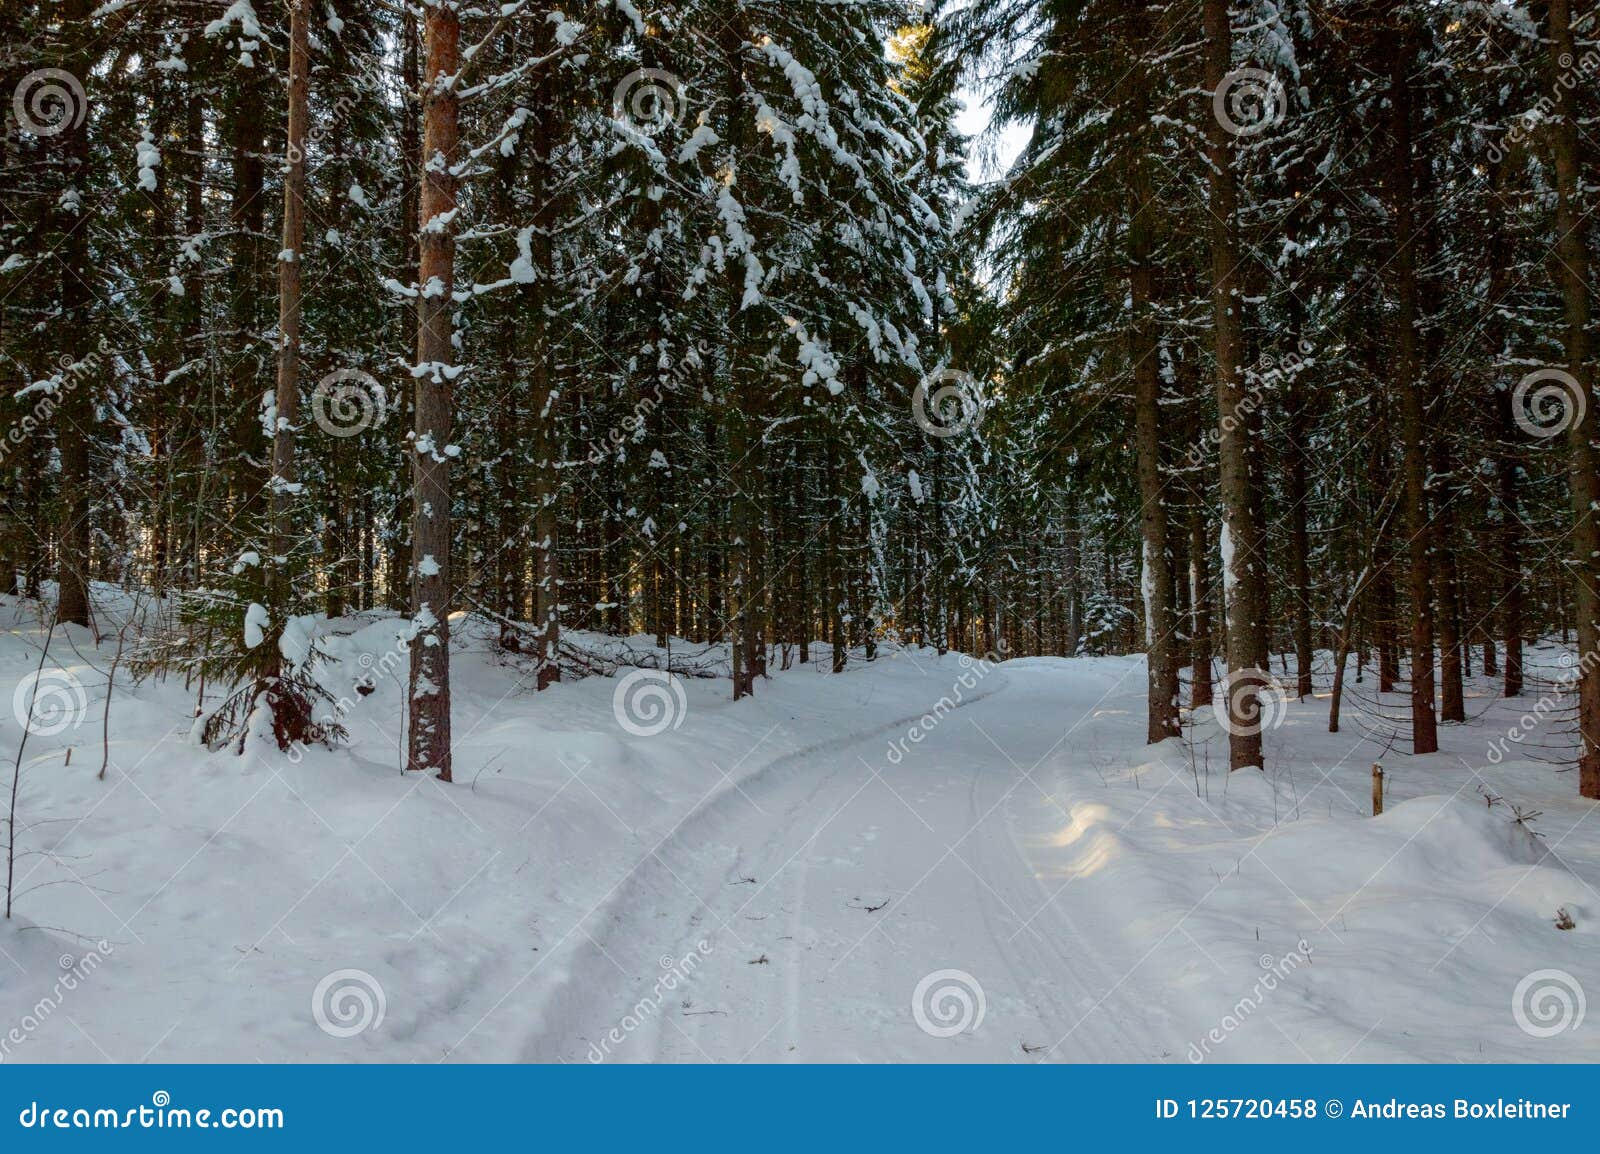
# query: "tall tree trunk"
[[742, 581], [1507, 459], [1573, 273], [1145, 351], [75, 412], [1384, 614], [289, 260], [428, 740], [544, 398], [832, 580], [1512, 591], [1452, 696], [1239, 525], [510, 533], [547, 568], [397, 544], [1299, 540], [246, 477], [801, 560], [1200, 643], [1409, 381], [188, 454]]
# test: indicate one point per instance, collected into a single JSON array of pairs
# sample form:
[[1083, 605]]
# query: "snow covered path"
[[833, 881], [1099, 899], [920, 859]]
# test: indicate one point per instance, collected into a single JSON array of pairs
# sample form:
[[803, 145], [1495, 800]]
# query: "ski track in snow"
[[1097, 898], [821, 832]]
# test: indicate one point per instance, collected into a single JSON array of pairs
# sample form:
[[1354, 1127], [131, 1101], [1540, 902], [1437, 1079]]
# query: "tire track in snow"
[[591, 995]]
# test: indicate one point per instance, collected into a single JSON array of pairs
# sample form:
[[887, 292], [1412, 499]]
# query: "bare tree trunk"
[[1358, 593], [1408, 379], [801, 563], [247, 478], [1299, 541], [1145, 352], [1511, 581], [1452, 696], [1573, 273], [832, 581], [1508, 465], [288, 391], [742, 583], [1384, 615], [397, 547], [510, 534], [1200, 643], [1239, 529], [428, 740], [544, 396], [547, 571], [75, 413], [1072, 562]]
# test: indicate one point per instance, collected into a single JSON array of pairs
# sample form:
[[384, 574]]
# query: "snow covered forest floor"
[[923, 858]]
